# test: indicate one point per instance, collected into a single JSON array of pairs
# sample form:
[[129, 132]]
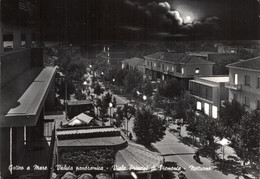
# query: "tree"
[[132, 81], [128, 112], [247, 144], [230, 115], [97, 89], [119, 117], [148, 127], [170, 89], [73, 67], [107, 99], [182, 105], [147, 88]]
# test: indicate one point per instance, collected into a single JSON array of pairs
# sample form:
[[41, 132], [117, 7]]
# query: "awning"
[[79, 120], [27, 109], [137, 157]]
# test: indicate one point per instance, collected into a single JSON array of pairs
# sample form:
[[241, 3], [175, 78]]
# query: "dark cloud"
[[162, 17]]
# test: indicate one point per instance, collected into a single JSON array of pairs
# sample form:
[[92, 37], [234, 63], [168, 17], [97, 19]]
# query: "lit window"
[[154, 64], [108, 54], [167, 68], [214, 112], [197, 71], [236, 79], [104, 49], [232, 51], [198, 105], [206, 108], [108, 61], [107, 48], [123, 66], [182, 70], [172, 68]]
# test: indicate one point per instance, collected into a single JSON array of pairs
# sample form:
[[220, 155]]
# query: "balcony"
[[233, 86]]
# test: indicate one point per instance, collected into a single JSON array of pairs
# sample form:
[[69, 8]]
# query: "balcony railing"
[[233, 86], [200, 95]]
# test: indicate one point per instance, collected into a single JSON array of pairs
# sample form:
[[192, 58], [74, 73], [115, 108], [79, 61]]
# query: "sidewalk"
[[229, 152]]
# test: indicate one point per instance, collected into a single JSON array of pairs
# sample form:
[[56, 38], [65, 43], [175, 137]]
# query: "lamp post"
[[110, 106]]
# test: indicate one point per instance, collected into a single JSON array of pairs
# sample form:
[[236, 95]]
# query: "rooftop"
[[138, 156], [80, 102], [216, 79], [134, 61], [90, 142], [73, 131], [250, 64], [181, 58]]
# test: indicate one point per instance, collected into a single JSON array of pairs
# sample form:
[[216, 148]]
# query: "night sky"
[[146, 19]]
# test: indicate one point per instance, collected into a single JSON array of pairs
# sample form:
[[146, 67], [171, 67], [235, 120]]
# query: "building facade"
[[208, 93], [167, 65], [134, 63], [27, 89], [244, 84], [113, 55]]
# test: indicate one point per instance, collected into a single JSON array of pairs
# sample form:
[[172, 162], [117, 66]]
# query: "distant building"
[[208, 93], [134, 63], [75, 107], [167, 65], [244, 84], [113, 55]]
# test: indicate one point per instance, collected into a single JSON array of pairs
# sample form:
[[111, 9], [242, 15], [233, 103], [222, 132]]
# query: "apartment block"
[[167, 65], [244, 84], [208, 93]]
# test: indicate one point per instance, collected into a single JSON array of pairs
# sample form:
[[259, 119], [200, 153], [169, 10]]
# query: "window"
[[173, 69], [206, 108], [247, 101], [163, 66], [236, 79], [197, 71], [258, 82], [215, 112], [108, 54], [182, 70], [247, 80], [198, 105], [257, 104], [235, 97], [154, 64], [167, 68]]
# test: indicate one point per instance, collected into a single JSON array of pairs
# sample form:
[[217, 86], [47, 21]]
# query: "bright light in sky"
[[188, 18]]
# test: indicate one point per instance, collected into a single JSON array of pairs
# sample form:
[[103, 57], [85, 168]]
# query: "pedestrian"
[[130, 136]]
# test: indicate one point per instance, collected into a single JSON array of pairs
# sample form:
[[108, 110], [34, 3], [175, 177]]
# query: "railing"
[[233, 86], [201, 95]]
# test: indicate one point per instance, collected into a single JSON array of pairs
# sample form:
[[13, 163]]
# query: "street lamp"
[[144, 97], [110, 106]]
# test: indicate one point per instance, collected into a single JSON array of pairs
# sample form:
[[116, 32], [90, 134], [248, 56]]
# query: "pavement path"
[[183, 155]]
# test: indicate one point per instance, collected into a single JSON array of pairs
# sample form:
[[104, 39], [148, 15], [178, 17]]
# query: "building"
[[244, 84], [134, 63], [167, 65], [27, 90], [208, 93], [113, 55]]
